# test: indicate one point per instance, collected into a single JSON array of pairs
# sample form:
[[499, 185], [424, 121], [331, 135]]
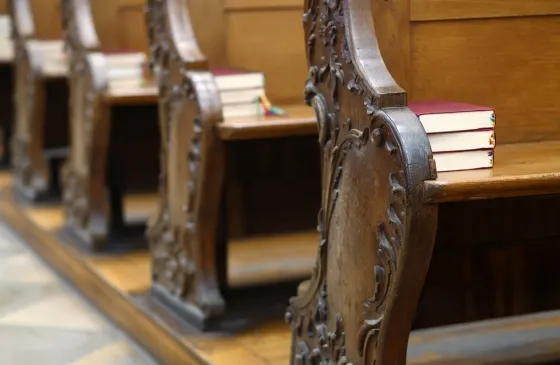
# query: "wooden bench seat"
[[527, 339], [520, 169], [298, 121], [145, 95], [272, 258]]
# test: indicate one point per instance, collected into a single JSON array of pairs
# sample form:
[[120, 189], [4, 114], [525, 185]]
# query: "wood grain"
[[261, 5], [120, 24], [133, 32], [147, 95], [428, 10], [210, 23], [392, 27], [520, 169], [47, 18], [277, 35], [299, 120], [515, 70]]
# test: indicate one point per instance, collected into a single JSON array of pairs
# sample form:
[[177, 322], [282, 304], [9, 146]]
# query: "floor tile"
[[118, 353], [61, 310], [14, 295], [24, 267], [9, 242], [44, 321], [47, 346]]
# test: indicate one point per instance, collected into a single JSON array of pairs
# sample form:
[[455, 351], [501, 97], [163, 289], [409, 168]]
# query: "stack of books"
[[126, 71], [242, 94], [54, 61], [52, 51], [461, 135], [6, 44]]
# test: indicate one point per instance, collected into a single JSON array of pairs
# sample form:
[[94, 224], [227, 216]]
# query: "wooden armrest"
[[525, 339], [300, 120], [145, 95], [520, 169]]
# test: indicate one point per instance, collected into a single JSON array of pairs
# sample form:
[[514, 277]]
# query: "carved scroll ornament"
[[361, 116], [83, 176], [189, 109], [31, 172]]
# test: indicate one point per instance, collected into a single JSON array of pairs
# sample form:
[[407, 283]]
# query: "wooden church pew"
[[6, 91], [250, 183], [40, 138], [114, 134], [386, 211]]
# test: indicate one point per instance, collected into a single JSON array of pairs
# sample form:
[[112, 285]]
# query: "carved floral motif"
[[25, 89], [331, 74], [173, 267], [75, 178], [76, 172], [29, 174]]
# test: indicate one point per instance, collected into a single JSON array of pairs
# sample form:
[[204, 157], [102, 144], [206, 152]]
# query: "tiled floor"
[[43, 321]]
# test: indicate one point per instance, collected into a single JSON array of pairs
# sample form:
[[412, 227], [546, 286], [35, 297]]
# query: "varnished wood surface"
[[519, 169], [425, 10], [261, 5], [265, 259], [528, 339], [146, 95], [299, 120], [110, 282], [515, 70]]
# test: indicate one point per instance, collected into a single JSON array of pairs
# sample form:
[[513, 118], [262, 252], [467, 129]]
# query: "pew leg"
[[7, 112], [32, 179], [5, 160], [116, 197], [85, 197]]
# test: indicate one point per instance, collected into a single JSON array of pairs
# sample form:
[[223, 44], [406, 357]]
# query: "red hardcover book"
[[446, 116]]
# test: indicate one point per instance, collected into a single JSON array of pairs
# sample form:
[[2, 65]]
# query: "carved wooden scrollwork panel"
[[84, 193], [31, 172], [84, 204], [376, 235], [182, 235], [25, 89]]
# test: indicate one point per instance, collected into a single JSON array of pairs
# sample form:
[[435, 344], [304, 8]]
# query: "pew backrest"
[[502, 54], [262, 36], [37, 19]]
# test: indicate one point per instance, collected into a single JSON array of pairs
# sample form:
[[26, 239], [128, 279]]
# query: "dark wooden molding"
[[375, 157]]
